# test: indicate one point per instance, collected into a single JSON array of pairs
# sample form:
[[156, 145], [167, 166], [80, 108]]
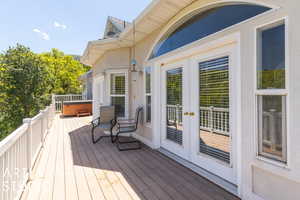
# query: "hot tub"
[[77, 108]]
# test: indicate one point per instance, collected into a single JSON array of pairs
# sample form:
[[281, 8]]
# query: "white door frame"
[[188, 52], [184, 149]]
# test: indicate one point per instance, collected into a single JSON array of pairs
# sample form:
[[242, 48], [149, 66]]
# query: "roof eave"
[[85, 57], [92, 46], [125, 38]]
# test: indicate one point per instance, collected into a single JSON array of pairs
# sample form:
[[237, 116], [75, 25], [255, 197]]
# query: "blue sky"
[[64, 24]]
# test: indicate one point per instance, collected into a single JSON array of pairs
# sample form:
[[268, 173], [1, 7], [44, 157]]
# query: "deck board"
[[70, 167], [46, 191]]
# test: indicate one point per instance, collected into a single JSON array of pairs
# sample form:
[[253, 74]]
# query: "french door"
[[198, 111], [174, 121]]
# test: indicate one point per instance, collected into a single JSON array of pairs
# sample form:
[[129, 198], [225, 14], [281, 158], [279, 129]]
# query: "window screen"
[[119, 103], [117, 84], [272, 127], [118, 93]]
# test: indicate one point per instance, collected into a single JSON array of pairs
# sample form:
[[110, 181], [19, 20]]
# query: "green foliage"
[[24, 86], [174, 87], [64, 72], [27, 81], [214, 88], [269, 79]]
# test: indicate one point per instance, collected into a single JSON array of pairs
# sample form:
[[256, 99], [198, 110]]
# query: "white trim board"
[[202, 172]]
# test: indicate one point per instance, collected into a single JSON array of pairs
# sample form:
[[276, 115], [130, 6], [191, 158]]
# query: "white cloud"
[[59, 25], [44, 35]]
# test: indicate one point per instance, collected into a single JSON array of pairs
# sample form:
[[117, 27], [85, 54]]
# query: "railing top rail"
[[8, 141], [214, 109], [11, 139], [67, 95], [175, 106], [37, 117]]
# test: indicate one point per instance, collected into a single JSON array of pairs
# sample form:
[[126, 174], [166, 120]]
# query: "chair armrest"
[[114, 121], [95, 122]]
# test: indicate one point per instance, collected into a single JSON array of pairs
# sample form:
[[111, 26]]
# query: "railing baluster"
[[19, 150], [29, 144], [214, 119]]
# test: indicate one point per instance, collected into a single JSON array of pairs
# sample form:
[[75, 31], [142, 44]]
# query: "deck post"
[[43, 128], [28, 148]]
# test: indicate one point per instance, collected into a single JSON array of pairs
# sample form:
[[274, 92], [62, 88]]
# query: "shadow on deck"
[[82, 170]]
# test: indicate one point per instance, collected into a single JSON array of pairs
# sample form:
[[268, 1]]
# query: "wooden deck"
[[70, 167]]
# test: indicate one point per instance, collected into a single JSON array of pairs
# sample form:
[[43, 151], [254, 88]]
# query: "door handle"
[[191, 113], [186, 113]]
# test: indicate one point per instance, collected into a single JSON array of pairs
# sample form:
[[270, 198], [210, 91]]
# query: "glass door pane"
[[174, 84], [119, 103], [214, 108]]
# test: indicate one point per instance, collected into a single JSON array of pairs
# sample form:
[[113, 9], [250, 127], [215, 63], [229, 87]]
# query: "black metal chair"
[[128, 126], [106, 121]]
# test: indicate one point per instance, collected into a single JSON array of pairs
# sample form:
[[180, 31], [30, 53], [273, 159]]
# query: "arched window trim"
[[176, 24]]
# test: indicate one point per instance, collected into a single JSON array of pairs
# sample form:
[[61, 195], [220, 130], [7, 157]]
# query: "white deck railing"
[[59, 99], [212, 119], [19, 151], [174, 113]]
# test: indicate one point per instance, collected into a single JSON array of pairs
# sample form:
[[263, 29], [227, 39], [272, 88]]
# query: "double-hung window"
[[148, 94], [118, 93], [271, 92]]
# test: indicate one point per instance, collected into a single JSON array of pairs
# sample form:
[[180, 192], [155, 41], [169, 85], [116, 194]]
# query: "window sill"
[[273, 163]]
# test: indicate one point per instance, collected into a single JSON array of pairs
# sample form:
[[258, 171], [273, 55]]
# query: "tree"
[[24, 87], [27, 81], [64, 72]]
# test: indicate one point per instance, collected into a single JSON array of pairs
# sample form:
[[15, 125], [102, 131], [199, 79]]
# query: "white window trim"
[[148, 124], [124, 72], [275, 92]]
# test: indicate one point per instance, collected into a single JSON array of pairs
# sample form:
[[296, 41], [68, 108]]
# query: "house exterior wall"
[[112, 60], [258, 178], [87, 81], [88, 90]]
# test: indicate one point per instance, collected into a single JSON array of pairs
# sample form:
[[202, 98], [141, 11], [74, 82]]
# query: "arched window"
[[205, 23]]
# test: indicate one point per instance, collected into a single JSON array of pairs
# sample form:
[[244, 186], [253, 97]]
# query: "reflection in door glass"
[[214, 108], [174, 105]]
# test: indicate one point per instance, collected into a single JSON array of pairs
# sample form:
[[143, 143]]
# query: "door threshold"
[[232, 188]]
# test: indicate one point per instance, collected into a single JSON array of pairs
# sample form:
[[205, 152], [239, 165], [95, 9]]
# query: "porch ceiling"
[[156, 14]]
